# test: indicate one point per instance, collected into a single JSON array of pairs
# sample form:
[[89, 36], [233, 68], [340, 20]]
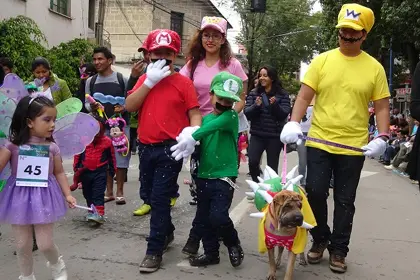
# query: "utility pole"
[[99, 32]]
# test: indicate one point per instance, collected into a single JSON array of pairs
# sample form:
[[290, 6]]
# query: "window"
[[60, 6], [91, 15], [177, 20]]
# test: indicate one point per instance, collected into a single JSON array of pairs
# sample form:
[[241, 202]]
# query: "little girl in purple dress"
[[36, 194]]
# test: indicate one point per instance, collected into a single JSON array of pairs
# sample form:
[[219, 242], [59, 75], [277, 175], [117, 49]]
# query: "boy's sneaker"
[[193, 201], [89, 216], [96, 218], [173, 201], [191, 247], [142, 210], [236, 255], [389, 167], [150, 263], [204, 260]]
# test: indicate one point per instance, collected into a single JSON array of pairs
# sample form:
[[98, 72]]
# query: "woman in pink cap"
[[209, 53]]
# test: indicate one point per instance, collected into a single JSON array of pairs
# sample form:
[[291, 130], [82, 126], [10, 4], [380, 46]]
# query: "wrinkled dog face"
[[287, 209]]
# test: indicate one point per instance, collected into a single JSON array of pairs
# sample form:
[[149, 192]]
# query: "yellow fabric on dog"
[[301, 237]]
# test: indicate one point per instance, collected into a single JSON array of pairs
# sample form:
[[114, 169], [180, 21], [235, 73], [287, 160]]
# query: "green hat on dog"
[[226, 85]]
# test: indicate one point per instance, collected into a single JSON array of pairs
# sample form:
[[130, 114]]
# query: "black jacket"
[[267, 120], [413, 167]]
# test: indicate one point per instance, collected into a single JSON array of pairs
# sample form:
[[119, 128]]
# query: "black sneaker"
[[150, 263], [168, 241], [204, 260], [191, 247], [236, 255]]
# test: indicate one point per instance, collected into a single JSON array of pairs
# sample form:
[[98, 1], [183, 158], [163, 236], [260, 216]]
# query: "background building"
[[59, 20], [127, 22]]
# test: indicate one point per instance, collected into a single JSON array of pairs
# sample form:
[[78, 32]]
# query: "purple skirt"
[[31, 205]]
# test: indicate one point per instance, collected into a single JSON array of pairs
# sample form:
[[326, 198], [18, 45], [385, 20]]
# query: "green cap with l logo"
[[226, 85]]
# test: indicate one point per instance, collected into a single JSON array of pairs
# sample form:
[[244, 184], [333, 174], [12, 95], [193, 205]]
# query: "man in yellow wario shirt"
[[343, 81]]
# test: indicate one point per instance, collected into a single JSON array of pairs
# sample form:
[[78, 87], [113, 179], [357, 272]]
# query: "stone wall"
[[123, 18]]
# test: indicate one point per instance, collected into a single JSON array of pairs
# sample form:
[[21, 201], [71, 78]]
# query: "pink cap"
[[218, 23]]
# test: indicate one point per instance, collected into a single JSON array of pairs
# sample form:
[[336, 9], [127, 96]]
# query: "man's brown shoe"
[[338, 263], [316, 252]]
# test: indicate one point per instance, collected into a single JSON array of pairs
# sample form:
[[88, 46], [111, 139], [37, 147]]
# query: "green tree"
[[400, 19], [282, 37], [65, 60], [21, 40], [396, 19]]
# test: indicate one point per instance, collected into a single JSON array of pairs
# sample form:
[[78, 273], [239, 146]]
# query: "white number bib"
[[33, 166]]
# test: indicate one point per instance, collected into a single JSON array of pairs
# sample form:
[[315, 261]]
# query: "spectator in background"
[[267, 108], [52, 86], [139, 67], [87, 70], [7, 65], [413, 168]]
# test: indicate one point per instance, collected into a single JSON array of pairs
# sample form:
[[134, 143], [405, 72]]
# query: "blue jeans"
[[94, 186], [212, 216], [159, 174], [145, 190]]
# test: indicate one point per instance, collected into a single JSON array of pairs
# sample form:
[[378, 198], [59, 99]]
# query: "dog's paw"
[[271, 276]]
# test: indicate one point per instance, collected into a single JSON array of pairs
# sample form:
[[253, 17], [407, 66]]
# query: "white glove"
[[156, 72], [290, 133], [375, 148], [189, 130], [184, 148]]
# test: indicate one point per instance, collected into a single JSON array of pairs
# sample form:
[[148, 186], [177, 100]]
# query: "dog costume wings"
[[263, 194]]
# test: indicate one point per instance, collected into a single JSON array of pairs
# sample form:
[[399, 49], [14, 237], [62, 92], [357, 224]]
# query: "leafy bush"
[[21, 40], [65, 60]]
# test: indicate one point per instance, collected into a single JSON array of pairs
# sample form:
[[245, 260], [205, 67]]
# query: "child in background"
[[91, 168], [30, 205], [217, 171]]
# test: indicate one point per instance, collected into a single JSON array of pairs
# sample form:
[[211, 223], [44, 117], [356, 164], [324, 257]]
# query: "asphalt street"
[[385, 242]]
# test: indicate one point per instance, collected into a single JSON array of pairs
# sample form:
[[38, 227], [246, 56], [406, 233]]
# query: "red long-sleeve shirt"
[[97, 154]]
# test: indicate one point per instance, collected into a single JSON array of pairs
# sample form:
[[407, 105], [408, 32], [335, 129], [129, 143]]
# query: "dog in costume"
[[285, 218]]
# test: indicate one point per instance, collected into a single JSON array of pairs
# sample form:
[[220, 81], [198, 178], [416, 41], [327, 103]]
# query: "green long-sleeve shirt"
[[218, 136]]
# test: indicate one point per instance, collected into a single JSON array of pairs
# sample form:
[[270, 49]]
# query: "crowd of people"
[[197, 114]]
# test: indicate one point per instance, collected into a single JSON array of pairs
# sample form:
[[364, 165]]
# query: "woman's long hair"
[[276, 85], [196, 52]]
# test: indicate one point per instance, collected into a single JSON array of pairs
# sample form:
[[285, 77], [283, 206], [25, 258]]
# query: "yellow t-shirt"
[[344, 86]]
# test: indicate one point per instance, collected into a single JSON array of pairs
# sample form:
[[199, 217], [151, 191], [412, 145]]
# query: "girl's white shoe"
[[59, 271], [30, 277]]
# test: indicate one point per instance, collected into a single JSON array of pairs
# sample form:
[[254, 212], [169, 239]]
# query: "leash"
[[284, 168], [330, 143]]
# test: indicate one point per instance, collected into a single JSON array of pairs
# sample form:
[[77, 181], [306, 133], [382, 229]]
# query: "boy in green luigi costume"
[[217, 171]]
